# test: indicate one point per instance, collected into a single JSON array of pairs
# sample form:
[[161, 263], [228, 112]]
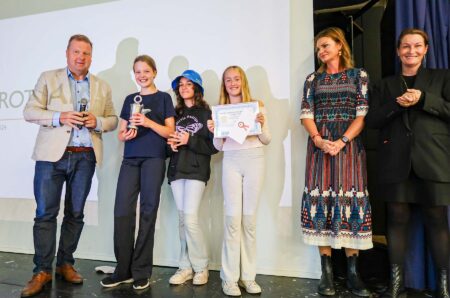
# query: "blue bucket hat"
[[191, 75]]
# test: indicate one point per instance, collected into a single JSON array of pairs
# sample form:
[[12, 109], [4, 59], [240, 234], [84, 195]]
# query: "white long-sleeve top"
[[228, 144]]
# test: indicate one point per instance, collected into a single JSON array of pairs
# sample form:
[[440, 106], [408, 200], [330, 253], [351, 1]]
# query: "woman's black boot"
[[326, 286], [396, 285], [354, 281], [442, 284]]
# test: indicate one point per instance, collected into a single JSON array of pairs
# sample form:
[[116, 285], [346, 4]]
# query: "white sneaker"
[[250, 286], [201, 277], [181, 276], [231, 288]]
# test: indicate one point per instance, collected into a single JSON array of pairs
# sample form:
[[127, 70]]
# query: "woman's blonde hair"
[[245, 89], [336, 34]]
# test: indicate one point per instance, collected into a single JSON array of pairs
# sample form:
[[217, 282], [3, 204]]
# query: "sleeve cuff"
[[421, 102], [362, 110], [98, 128], [306, 114], [55, 120]]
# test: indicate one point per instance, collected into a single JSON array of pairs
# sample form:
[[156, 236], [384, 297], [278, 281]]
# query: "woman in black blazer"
[[412, 111]]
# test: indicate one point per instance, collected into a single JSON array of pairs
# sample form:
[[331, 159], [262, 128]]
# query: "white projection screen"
[[271, 40]]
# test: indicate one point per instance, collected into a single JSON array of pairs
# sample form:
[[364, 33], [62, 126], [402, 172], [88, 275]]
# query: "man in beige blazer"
[[73, 108]]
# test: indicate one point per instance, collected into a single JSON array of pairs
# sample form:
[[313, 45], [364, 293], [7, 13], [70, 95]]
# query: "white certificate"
[[228, 116]]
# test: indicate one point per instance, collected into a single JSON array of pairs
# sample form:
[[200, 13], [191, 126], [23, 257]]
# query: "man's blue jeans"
[[76, 170]]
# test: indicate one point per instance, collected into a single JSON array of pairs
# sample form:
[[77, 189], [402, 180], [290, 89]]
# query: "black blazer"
[[418, 138]]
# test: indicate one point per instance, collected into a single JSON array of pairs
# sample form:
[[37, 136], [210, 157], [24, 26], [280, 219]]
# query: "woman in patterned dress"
[[336, 211]]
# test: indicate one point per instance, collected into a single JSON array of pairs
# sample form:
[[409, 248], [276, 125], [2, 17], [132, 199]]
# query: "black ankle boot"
[[396, 285], [442, 284], [354, 281], [326, 286]]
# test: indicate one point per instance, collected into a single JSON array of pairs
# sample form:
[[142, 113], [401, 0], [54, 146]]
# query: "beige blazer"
[[52, 94]]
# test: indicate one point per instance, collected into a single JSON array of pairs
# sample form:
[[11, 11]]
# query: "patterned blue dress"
[[335, 205]]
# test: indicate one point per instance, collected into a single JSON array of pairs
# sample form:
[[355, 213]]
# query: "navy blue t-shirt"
[[148, 143]]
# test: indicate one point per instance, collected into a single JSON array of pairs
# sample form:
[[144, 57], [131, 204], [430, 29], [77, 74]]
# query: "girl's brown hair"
[[146, 59], [198, 99]]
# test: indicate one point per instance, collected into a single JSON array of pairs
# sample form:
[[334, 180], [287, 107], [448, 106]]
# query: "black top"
[[192, 161], [148, 143]]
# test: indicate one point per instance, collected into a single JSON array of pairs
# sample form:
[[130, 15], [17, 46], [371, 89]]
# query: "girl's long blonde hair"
[[245, 89]]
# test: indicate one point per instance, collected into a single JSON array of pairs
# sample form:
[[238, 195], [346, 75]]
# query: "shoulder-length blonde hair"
[[245, 89], [336, 34]]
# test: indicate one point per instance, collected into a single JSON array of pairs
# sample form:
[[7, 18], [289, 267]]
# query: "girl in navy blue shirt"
[[142, 172]]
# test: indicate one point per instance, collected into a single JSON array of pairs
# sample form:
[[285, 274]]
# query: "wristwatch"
[[345, 140]]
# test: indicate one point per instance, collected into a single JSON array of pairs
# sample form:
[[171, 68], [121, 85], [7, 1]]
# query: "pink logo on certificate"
[[242, 125]]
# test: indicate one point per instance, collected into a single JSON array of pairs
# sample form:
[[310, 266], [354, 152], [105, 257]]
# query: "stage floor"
[[15, 271]]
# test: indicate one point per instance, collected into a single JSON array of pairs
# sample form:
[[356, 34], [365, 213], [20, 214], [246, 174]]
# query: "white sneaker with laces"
[[231, 288], [201, 277], [250, 286], [181, 276]]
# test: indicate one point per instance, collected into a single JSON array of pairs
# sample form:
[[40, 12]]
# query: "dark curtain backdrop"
[[432, 16]]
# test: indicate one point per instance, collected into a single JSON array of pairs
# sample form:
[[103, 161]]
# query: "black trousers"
[[144, 176]]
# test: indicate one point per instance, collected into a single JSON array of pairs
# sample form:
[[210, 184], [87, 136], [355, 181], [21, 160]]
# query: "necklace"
[[404, 82], [409, 79]]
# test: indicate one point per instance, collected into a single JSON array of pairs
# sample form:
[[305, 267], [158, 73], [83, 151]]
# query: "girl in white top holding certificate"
[[242, 180]]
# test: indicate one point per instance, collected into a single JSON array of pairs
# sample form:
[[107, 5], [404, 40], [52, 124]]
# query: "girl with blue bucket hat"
[[188, 172]]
